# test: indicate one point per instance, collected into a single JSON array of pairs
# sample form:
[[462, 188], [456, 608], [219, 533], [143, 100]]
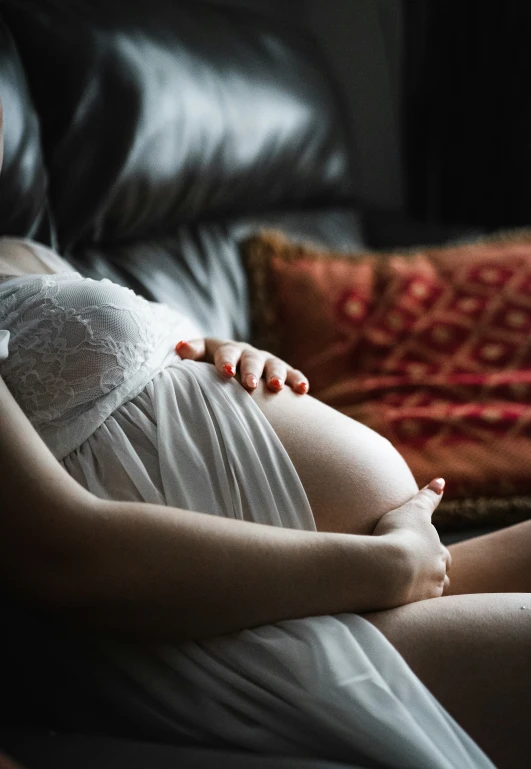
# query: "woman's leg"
[[352, 475], [474, 654], [493, 563], [472, 651]]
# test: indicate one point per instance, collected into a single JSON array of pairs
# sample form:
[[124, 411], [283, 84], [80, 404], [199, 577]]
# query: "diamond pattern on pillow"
[[431, 348]]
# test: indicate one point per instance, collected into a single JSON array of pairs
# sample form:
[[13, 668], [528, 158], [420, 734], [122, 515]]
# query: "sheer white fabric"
[[81, 347], [88, 362]]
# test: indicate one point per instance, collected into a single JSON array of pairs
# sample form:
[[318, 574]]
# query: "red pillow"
[[430, 348]]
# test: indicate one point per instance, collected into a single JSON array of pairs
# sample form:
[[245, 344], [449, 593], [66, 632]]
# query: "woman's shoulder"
[[21, 256]]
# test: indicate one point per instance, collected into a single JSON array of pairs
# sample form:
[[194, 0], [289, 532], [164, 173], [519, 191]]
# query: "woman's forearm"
[[158, 572]]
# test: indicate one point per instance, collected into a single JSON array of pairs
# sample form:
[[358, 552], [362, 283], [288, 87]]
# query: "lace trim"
[[78, 350]]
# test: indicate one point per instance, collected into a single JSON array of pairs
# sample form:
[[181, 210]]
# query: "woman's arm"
[[159, 572]]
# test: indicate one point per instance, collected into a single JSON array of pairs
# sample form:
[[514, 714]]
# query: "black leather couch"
[[144, 140]]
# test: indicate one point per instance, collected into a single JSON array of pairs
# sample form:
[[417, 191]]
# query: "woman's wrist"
[[365, 573]]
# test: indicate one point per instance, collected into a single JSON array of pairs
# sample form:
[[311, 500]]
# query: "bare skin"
[[473, 653], [472, 649]]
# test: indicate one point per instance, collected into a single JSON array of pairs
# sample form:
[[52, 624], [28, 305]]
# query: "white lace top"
[[79, 348]]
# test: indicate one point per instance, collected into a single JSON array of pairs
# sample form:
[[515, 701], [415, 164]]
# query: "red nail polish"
[[229, 369], [276, 382], [302, 388], [179, 346]]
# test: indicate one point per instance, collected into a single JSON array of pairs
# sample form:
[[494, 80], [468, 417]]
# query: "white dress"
[[93, 367]]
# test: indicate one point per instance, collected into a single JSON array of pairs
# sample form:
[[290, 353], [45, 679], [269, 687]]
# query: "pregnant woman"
[[263, 568]]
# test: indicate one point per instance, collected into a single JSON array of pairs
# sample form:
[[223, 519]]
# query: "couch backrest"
[[23, 202], [160, 124], [150, 120]]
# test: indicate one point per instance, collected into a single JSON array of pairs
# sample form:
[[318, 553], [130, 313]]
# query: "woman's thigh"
[[352, 475], [474, 654]]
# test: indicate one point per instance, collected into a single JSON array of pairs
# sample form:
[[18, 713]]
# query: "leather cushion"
[[173, 111], [198, 269], [23, 205]]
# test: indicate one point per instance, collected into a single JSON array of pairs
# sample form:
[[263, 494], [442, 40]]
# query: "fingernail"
[[229, 369], [251, 381], [277, 383], [437, 485], [180, 345], [302, 388]]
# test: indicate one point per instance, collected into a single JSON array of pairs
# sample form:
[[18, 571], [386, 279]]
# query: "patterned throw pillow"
[[431, 348]]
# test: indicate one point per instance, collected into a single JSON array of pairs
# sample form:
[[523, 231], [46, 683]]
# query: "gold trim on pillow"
[[258, 252], [482, 511]]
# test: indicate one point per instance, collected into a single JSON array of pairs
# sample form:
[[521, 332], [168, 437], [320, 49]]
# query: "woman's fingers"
[[426, 500], [251, 367], [297, 381], [437, 485], [225, 355], [194, 349], [275, 371], [254, 364], [226, 358], [429, 497], [448, 558]]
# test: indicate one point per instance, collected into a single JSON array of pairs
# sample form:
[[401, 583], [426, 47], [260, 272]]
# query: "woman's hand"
[[425, 560], [253, 364]]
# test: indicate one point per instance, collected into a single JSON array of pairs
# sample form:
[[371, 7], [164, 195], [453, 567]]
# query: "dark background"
[[445, 125], [459, 72]]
